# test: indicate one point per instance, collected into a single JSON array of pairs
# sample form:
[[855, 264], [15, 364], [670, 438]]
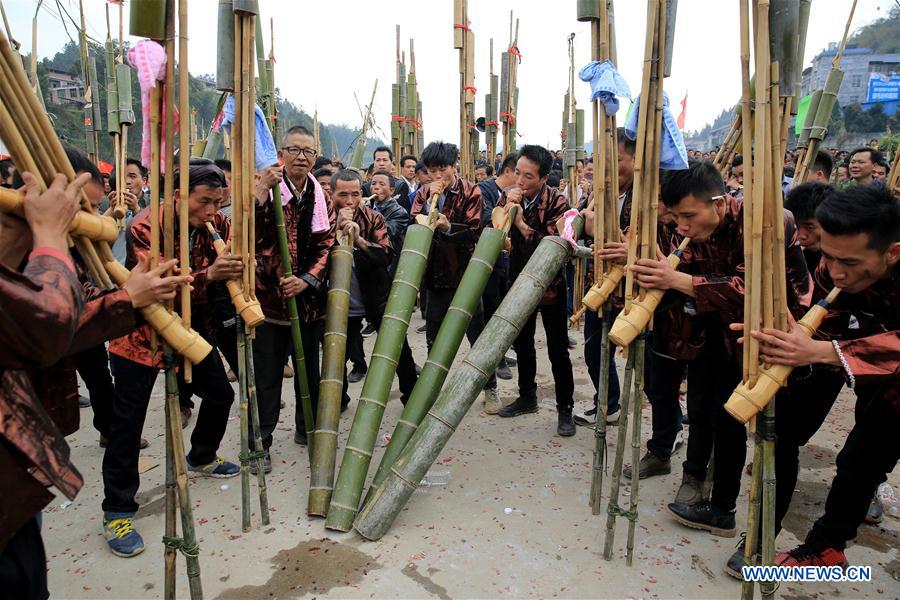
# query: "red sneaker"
[[806, 556]]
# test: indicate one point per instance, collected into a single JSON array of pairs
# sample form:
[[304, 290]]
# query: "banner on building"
[[883, 87]]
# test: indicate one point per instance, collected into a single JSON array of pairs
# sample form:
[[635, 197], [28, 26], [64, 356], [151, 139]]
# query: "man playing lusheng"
[[540, 207], [135, 366]]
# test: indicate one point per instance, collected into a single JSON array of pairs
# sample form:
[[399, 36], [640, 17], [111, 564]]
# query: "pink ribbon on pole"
[[568, 232], [149, 60]]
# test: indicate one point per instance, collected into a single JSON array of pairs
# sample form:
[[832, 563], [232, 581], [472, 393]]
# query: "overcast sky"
[[327, 51]]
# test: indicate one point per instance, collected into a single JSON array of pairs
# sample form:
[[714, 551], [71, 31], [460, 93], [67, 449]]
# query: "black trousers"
[[800, 410], [869, 454], [23, 565], [712, 377], [225, 334], [271, 349], [593, 325], [662, 383], [93, 367], [494, 291], [134, 384], [555, 321], [356, 354], [439, 300]]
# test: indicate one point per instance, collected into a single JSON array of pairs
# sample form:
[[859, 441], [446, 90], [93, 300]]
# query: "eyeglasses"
[[295, 150]]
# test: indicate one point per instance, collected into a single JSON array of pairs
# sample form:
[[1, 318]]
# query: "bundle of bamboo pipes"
[[639, 305], [509, 93], [464, 41], [356, 160]]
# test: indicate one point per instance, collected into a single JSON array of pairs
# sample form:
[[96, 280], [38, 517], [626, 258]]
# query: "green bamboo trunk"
[[225, 47], [243, 411], [147, 18], [599, 464], [258, 453], [767, 551], [123, 94], [462, 388], [826, 104], [112, 94], [331, 386], [803, 142], [377, 386], [443, 350]]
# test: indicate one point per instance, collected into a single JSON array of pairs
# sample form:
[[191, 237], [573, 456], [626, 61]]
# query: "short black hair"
[[223, 163], [539, 156], [737, 161], [407, 157], [823, 163], [387, 174], [321, 161], [509, 162], [322, 171], [296, 129], [133, 161], [875, 155], [803, 200], [701, 180], [440, 154], [345, 175], [81, 164], [488, 169], [862, 209], [383, 149], [629, 144], [420, 166], [203, 171], [5, 164]]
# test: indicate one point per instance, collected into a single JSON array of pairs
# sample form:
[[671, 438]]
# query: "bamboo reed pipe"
[[184, 171], [747, 150], [250, 311], [84, 224], [629, 325], [746, 401]]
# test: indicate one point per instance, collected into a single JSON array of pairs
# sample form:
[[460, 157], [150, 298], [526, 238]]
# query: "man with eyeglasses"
[[309, 220]]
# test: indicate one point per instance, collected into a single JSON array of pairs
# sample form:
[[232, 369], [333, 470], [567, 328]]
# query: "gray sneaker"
[[650, 466], [690, 492], [266, 462]]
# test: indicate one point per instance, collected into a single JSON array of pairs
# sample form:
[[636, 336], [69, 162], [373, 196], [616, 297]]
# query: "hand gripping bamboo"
[[628, 325], [334, 363], [746, 401], [249, 310], [91, 226]]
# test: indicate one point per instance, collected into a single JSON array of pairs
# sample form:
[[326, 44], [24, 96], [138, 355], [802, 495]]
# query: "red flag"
[[683, 112]]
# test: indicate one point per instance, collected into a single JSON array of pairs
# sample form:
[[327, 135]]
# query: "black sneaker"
[[650, 466], [705, 516], [521, 406], [503, 371], [368, 330], [356, 375], [510, 361], [572, 342], [300, 438], [420, 328], [736, 560], [83, 401], [565, 426]]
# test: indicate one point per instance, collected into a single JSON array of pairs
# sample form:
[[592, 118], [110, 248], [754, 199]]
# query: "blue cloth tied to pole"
[[266, 155], [606, 83], [672, 153]]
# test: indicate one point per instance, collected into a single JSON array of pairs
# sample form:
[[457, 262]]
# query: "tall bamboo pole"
[[184, 157], [356, 160]]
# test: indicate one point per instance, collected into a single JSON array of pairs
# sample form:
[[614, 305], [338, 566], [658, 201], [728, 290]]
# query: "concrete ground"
[[513, 520]]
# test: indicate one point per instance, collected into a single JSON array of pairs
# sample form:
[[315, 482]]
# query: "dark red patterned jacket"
[[309, 257], [540, 216], [451, 251], [717, 267], [39, 314], [136, 345], [872, 346]]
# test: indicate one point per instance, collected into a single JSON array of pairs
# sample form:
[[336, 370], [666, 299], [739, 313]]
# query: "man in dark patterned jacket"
[[459, 225], [540, 208], [135, 365], [860, 342], [309, 221], [706, 294]]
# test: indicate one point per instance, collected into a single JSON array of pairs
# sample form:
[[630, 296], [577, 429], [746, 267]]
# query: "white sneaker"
[[679, 441], [491, 402], [613, 417], [588, 417]]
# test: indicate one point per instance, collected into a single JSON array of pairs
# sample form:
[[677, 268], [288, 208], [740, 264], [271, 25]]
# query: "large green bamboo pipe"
[[826, 104], [463, 386], [331, 386], [446, 345], [377, 386]]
